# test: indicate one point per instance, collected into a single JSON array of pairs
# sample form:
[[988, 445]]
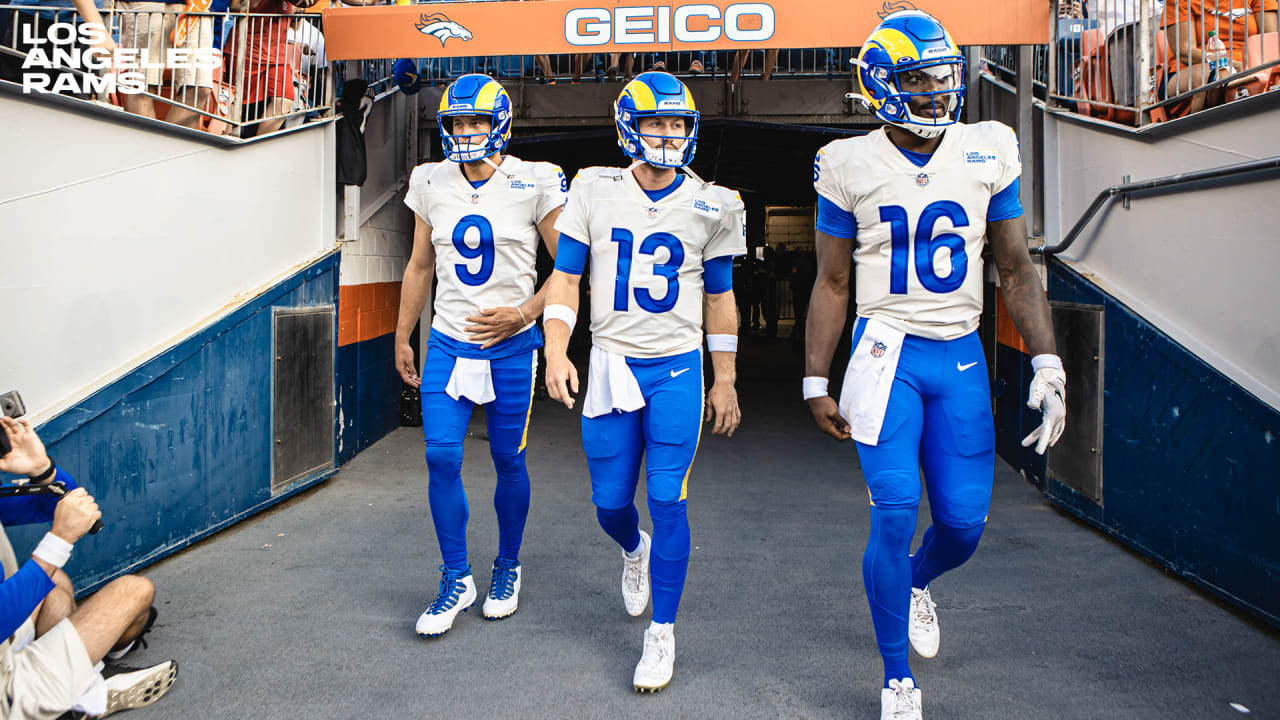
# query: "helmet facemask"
[[471, 147], [940, 82]]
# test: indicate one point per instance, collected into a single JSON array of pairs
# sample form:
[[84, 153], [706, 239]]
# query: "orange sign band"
[[508, 27]]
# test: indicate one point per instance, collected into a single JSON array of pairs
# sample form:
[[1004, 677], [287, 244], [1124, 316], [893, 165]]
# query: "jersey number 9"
[[484, 251], [669, 270]]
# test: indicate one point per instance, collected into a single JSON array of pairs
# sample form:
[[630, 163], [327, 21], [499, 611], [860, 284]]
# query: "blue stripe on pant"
[[666, 433], [939, 421], [444, 425]]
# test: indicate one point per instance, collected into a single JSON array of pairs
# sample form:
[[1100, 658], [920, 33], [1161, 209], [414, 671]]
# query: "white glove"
[[1048, 395]]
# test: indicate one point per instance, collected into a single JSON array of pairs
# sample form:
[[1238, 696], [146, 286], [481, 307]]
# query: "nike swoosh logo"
[[678, 373], [962, 368]]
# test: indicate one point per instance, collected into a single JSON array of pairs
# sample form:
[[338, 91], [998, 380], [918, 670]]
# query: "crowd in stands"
[[1194, 44]]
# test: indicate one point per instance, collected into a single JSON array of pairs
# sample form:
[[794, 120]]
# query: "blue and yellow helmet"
[[655, 94], [481, 95], [911, 41]]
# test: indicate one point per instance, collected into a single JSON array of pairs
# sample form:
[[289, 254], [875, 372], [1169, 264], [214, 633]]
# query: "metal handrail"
[[1244, 168]]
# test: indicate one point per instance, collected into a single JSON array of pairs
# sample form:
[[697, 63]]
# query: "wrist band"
[[53, 550], [562, 313], [722, 343], [523, 319], [48, 473], [814, 387], [1040, 362]]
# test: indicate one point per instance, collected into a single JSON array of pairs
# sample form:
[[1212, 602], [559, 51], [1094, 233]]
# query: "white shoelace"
[[923, 605], [631, 573], [904, 703], [654, 650]]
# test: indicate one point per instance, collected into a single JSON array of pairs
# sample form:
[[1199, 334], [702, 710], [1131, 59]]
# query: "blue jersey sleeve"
[[835, 221], [1005, 205], [571, 255], [717, 275], [20, 594], [27, 509]]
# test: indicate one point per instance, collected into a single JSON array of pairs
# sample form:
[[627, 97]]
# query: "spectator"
[[314, 65], [1119, 20], [50, 659], [193, 86], [146, 26], [740, 59], [267, 78], [1187, 23]]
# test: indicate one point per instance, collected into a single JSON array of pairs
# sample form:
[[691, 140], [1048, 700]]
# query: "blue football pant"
[[938, 420], [665, 433], [444, 424]]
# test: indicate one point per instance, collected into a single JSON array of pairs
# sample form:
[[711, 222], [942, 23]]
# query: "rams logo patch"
[[706, 208], [439, 26], [980, 156]]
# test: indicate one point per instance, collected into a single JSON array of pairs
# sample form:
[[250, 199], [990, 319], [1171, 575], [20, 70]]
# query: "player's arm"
[[827, 307], [561, 315], [1029, 309], [414, 291], [720, 311], [551, 239]]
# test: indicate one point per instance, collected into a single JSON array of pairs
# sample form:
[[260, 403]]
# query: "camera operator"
[[50, 657]]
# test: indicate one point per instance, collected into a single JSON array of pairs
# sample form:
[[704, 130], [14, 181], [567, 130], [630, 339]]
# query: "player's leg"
[[957, 453], [892, 474], [672, 428], [508, 420], [444, 433], [613, 444]]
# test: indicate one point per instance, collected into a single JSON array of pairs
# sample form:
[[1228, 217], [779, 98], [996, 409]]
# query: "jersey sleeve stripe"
[[1005, 205], [717, 275], [835, 221], [571, 255]]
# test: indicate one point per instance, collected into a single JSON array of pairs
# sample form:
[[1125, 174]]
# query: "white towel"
[[471, 379], [864, 396], [610, 385]]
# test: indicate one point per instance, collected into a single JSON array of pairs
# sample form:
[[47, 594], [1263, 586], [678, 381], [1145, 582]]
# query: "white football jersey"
[[918, 255], [646, 257], [486, 238]]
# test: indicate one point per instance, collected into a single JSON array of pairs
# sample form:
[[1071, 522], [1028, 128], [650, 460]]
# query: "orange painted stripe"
[[367, 311], [1006, 333]]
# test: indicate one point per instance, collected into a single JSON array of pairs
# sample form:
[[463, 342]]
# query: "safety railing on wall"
[[226, 73], [603, 67], [1142, 61]]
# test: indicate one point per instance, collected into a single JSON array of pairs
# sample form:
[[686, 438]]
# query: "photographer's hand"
[[76, 513], [27, 456]]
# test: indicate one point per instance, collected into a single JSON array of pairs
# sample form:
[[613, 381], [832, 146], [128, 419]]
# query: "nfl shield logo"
[[653, 213], [475, 199], [878, 348], [922, 179]]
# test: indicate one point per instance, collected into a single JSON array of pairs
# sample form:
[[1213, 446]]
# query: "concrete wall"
[[1198, 264], [117, 240]]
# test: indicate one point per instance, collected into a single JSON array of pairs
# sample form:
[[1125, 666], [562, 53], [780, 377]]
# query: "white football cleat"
[[457, 593], [900, 701], [635, 579], [922, 626], [658, 662], [133, 688], [504, 590]]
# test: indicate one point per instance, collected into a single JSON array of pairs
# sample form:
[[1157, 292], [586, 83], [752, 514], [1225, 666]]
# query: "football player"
[[661, 245], [478, 217], [914, 202]]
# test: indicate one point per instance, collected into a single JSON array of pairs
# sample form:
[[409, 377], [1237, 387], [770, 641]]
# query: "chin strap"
[[496, 167]]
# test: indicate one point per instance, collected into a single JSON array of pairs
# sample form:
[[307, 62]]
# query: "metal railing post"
[[1143, 83]]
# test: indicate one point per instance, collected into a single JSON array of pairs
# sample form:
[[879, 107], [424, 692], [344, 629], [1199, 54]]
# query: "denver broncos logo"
[[889, 8], [441, 27]]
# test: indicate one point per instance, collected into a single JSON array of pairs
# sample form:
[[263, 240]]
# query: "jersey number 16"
[[926, 246]]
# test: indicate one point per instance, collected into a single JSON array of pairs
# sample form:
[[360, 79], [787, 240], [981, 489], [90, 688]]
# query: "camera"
[[10, 406]]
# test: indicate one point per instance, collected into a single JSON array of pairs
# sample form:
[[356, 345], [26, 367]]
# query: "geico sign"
[[658, 24]]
